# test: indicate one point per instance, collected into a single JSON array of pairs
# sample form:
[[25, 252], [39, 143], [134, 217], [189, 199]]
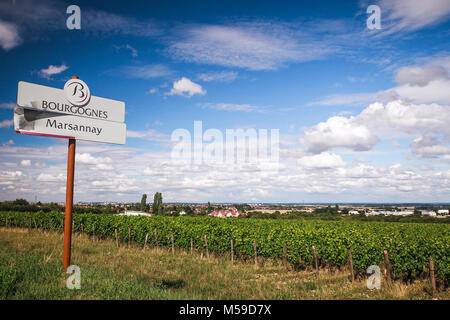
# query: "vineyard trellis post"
[[232, 252], [316, 263], [255, 253], [145, 242], [350, 260], [433, 280], [206, 244], [387, 266], [117, 239], [173, 244]]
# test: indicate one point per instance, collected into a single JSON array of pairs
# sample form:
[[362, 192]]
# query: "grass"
[[30, 268]]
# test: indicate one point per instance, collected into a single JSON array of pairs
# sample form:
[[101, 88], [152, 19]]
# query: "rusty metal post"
[[69, 204]]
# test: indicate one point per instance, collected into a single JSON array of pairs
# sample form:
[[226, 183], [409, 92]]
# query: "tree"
[[209, 208], [157, 207], [144, 202], [20, 202]]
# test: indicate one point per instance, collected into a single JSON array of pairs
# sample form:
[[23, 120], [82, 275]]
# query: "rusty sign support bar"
[[69, 202]]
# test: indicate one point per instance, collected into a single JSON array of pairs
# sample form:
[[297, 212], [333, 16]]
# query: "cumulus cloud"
[[399, 118], [424, 123], [87, 158], [429, 147], [338, 132], [427, 83], [418, 76], [25, 163], [323, 160], [185, 87], [434, 91], [9, 35], [146, 171], [47, 177]]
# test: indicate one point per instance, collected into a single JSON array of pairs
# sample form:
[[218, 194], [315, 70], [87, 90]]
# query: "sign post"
[[69, 204], [73, 114]]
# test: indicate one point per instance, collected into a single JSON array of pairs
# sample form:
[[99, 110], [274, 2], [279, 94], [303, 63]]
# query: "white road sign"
[[75, 99], [60, 125]]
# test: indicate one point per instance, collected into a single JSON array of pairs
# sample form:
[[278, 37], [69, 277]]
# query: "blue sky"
[[362, 114]]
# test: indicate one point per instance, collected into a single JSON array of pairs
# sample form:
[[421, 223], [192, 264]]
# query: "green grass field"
[[30, 268]]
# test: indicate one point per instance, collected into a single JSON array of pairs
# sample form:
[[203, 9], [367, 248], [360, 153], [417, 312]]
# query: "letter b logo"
[[77, 92]]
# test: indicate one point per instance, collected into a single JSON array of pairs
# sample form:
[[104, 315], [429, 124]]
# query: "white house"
[[135, 213], [428, 213], [443, 211]]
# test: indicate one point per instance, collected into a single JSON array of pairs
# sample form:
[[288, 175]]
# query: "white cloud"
[[429, 147], [234, 107], [223, 76], [102, 22], [87, 158], [410, 15], [52, 70], [348, 99], [10, 174], [9, 35], [6, 123], [338, 132], [25, 163], [420, 76], [141, 170], [9, 142], [147, 71], [397, 119], [46, 177], [185, 87], [7, 105], [150, 135], [253, 46], [323, 160], [152, 91], [428, 83], [424, 123], [134, 52], [435, 91]]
